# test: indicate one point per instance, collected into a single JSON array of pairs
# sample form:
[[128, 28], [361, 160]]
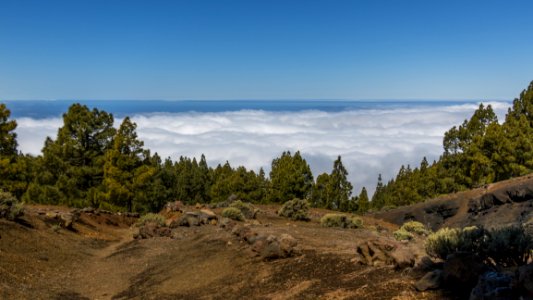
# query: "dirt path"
[[101, 277]]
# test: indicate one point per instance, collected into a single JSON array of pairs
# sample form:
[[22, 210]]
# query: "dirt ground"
[[99, 259]]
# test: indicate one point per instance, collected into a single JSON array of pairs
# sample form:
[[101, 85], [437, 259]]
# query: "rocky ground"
[[57, 253], [61, 253]]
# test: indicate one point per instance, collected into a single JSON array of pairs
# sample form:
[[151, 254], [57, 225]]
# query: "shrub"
[[247, 210], [509, 246], [340, 220], [233, 213], [506, 246], [415, 227], [10, 207], [402, 235], [443, 242], [295, 209], [151, 217]]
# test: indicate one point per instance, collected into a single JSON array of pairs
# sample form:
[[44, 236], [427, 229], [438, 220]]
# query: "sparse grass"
[[151, 217], [233, 213], [341, 220], [295, 209]]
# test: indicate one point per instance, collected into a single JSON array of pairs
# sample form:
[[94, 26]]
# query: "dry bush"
[[341, 220], [295, 209], [233, 213], [247, 210]]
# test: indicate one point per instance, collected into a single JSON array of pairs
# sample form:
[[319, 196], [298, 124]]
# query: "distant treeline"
[[478, 152], [91, 163]]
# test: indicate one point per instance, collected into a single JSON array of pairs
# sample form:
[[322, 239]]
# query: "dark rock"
[[493, 286], [525, 279], [426, 264], [462, 270], [431, 281]]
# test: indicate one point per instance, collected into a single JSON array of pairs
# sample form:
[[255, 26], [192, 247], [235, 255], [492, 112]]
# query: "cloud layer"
[[369, 141]]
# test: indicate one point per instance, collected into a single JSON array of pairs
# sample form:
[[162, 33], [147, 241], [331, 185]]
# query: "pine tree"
[[363, 204], [125, 172], [290, 178]]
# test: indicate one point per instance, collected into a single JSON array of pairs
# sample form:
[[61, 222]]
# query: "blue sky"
[[265, 49]]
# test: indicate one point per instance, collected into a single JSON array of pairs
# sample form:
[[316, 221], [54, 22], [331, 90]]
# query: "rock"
[[462, 270], [273, 247], [287, 243], [152, 229], [226, 223], [525, 279], [208, 212], [188, 219], [385, 252], [244, 233], [213, 222], [67, 220], [431, 281], [425, 264], [493, 286], [176, 206], [402, 258]]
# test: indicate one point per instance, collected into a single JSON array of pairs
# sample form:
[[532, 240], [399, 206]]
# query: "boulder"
[[176, 206], [152, 229], [525, 279], [461, 270], [493, 286], [431, 281], [273, 247], [67, 220], [384, 252], [188, 219]]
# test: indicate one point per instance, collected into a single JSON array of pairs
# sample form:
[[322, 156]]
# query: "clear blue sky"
[[265, 49]]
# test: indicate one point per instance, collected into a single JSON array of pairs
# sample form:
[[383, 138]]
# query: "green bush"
[[10, 207], [506, 246], [247, 210], [415, 227], [295, 209], [233, 213], [151, 217], [402, 235], [509, 246], [341, 220]]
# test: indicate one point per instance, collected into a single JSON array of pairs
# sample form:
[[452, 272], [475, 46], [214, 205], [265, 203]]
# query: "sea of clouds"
[[369, 141]]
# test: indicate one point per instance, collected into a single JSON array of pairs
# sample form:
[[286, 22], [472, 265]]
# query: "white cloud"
[[369, 141]]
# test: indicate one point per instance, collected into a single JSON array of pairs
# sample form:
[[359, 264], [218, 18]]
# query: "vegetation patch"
[[341, 220], [504, 247], [402, 235], [233, 213], [247, 210], [152, 218], [10, 207], [295, 209]]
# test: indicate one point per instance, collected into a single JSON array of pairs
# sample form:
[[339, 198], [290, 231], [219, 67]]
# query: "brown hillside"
[[507, 202]]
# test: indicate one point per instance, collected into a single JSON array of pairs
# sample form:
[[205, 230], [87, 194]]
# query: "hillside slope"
[[99, 259], [507, 202]]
